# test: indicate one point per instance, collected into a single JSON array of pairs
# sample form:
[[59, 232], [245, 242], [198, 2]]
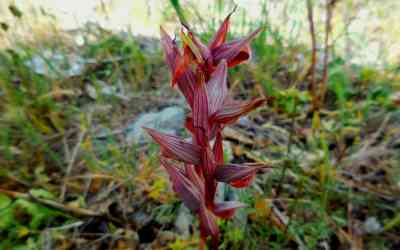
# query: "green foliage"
[[339, 81], [22, 220], [122, 59], [29, 112]]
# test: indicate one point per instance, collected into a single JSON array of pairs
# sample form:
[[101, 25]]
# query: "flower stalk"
[[196, 166]]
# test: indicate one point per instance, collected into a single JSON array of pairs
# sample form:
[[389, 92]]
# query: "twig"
[[287, 163], [376, 135], [328, 27], [94, 176], [47, 242], [285, 220], [67, 152], [387, 193], [313, 86], [74, 211], [68, 226], [71, 162]]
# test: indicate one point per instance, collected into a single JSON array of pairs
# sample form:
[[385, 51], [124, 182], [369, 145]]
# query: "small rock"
[[56, 64], [107, 90], [372, 226], [395, 98], [226, 193], [183, 222], [102, 88], [132, 239], [91, 91], [141, 218], [166, 236], [169, 120], [312, 159], [244, 121], [395, 118]]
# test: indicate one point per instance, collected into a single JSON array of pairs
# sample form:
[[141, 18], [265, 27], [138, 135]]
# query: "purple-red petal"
[[171, 51], [184, 187], [220, 37], [208, 226], [175, 147], [208, 167], [226, 209], [217, 88], [189, 123], [218, 149], [200, 113], [233, 110], [238, 175], [234, 52], [243, 56], [203, 49], [190, 171], [186, 84]]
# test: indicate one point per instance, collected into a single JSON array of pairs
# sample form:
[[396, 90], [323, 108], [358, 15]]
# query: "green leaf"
[[6, 212], [40, 214], [41, 193], [5, 201], [179, 10]]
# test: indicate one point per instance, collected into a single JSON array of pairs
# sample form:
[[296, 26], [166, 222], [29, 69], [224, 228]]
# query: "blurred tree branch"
[[318, 88], [312, 87], [330, 4]]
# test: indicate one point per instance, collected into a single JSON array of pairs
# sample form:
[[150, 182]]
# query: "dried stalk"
[[328, 28], [71, 210], [71, 164], [313, 84]]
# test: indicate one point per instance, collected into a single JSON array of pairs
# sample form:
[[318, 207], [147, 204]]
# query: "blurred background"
[[356, 23], [79, 79]]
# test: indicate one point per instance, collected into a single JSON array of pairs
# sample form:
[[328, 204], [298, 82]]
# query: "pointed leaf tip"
[[171, 52], [162, 31], [220, 37]]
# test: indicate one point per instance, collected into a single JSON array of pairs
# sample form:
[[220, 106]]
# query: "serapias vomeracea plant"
[[200, 72]]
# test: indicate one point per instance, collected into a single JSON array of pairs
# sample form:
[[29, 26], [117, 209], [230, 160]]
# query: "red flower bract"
[[200, 72]]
